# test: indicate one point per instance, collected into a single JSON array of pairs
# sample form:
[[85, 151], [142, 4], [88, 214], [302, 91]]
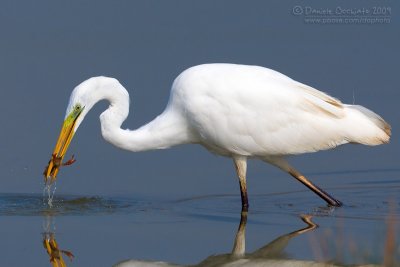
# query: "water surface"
[[106, 230]]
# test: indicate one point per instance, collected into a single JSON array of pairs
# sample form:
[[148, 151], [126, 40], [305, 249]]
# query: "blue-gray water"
[[182, 205], [105, 230]]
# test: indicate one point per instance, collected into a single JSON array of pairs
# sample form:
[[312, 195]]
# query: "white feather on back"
[[254, 111]]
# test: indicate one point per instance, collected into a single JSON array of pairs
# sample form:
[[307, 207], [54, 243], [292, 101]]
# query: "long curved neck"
[[166, 130]]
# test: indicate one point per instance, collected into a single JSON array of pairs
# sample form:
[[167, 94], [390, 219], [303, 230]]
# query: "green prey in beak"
[[66, 135]]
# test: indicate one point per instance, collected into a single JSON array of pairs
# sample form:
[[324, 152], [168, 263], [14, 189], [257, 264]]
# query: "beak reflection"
[[54, 252]]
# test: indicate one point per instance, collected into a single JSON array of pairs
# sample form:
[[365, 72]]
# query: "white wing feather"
[[254, 111]]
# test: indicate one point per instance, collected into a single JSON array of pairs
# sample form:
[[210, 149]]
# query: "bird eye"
[[77, 107]]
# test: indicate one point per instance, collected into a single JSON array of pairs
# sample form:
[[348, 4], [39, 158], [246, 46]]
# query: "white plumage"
[[254, 111], [237, 111]]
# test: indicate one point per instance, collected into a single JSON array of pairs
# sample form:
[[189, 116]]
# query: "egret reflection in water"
[[273, 250], [272, 254]]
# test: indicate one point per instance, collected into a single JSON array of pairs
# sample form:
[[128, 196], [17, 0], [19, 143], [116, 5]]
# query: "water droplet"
[[49, 191]]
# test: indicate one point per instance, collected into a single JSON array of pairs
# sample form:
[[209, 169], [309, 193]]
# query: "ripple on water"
[[35, 204], [363, 202], [370, 202]]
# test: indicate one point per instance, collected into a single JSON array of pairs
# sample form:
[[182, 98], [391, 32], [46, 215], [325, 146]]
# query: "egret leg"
[[241, 168], [284, 165], [323, 194]]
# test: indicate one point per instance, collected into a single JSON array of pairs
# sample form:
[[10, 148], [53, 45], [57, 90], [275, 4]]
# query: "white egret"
[[236, 111]]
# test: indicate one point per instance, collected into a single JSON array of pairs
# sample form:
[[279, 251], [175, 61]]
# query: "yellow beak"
[[64, 139]]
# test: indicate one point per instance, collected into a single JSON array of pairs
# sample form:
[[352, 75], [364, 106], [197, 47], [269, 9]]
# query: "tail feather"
[[372, 129]]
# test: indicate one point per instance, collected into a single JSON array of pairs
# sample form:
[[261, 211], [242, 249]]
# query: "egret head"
[[82, 99]]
